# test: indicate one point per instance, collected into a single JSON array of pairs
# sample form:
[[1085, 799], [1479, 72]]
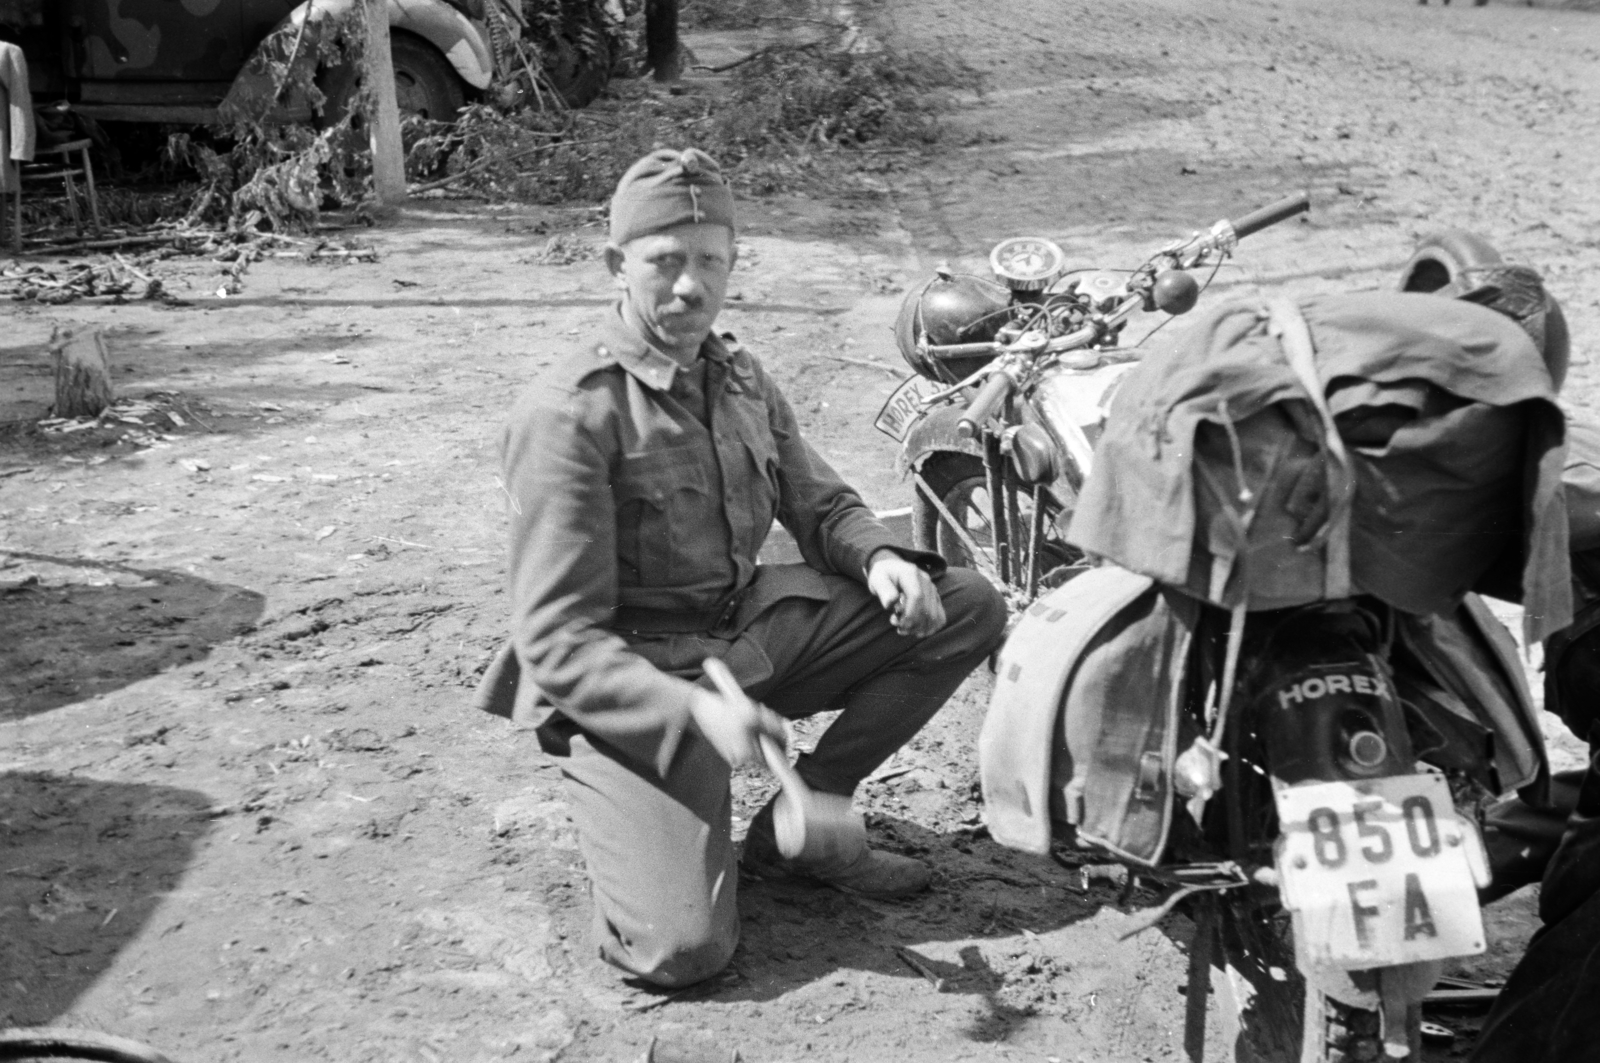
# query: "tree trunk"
[[83, 379], [663, 53], [388, 157]]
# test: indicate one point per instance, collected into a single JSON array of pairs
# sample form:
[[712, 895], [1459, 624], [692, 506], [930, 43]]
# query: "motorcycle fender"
[[462, 41], [935, 433], [1118, 798], [1472, 655]]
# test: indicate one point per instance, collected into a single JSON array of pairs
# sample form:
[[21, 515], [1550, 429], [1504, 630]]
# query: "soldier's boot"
[[864, 871]]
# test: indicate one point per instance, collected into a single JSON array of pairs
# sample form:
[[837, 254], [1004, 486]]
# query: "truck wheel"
[[425, 84]]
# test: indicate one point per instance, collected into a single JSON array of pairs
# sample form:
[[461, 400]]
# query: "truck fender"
[[463, 42], [935, 433]]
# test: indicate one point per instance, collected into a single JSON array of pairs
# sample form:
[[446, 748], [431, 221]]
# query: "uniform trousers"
[[659, 851]]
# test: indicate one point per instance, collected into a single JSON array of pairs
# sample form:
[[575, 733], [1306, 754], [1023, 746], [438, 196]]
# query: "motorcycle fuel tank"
[[1074, 404]]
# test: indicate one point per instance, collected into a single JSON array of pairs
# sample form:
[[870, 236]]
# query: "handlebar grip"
[[1272, 214], [994, 391]]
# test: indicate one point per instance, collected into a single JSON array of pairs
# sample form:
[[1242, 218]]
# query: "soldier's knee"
[[974, 611], [681, 958]]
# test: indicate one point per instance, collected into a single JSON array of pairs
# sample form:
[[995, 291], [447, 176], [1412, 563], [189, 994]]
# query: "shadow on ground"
[[103, 626], [795, 934], [87, 865]]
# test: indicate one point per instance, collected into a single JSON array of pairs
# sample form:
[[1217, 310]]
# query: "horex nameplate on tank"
[[1379, 872]]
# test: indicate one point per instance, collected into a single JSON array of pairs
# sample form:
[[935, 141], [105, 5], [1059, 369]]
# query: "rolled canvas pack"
[[1423, 461]]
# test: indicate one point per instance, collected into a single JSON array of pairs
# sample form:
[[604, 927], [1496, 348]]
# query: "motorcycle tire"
[[1269, 1014], [48, 1042], [956, 479]]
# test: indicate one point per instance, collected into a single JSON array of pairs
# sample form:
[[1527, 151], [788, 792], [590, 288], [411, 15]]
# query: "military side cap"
[[667, 188]]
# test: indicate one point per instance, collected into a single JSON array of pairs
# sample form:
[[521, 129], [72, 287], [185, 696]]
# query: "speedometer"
[[1027, 263]]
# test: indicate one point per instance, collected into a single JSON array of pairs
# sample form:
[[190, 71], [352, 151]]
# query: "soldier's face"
[[676, 281]]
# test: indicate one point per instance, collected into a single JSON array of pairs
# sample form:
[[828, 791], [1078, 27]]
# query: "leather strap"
[[1286, 324]]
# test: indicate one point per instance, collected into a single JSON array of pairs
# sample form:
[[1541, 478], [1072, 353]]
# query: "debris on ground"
[[150, 423], [120, 278], [565, 249]]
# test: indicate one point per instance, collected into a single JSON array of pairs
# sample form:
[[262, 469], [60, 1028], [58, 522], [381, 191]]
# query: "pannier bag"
[[1392, 444], [1088, 711]]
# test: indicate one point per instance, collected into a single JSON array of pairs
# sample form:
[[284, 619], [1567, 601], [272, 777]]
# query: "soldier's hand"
[[907, 593], [735, 726]]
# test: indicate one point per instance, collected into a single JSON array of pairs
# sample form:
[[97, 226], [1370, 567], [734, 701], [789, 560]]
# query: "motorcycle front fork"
[[1018, 568]]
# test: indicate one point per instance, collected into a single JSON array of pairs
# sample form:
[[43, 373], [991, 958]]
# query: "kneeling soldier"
[[644, 473]]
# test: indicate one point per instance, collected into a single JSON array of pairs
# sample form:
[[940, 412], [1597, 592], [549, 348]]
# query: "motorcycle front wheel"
[[960, 483]]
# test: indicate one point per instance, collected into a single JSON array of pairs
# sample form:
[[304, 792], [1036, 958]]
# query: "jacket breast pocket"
[[747, 421], [661, 497]]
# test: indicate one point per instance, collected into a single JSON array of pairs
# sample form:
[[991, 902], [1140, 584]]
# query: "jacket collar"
[[653, 368]]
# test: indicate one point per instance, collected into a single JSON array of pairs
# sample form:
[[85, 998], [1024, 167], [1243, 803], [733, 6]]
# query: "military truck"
[[173, 61]]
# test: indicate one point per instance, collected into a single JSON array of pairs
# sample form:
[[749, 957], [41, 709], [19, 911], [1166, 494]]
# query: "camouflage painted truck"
[[176, 60]]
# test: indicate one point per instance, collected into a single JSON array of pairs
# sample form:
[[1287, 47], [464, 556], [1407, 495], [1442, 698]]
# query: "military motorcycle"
[[1014, 378], [1301, 769]]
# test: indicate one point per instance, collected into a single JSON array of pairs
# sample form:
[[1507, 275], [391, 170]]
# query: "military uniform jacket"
[[634, 534]]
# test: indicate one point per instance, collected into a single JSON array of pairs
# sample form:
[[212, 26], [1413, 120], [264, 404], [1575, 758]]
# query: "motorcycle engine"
[[949, 309]]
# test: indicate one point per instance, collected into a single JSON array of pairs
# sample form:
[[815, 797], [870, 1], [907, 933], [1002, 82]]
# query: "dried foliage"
[[740, 14], [116, 278], [138, 275], [784, 118], [788, 99], [278, 173]]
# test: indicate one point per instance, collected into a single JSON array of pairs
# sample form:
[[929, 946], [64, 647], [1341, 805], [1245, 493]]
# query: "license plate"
[[1379, 872], [900, 412]]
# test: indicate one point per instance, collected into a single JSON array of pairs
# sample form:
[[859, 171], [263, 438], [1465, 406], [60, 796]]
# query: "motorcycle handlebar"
[[994, 391], [1271, 214]]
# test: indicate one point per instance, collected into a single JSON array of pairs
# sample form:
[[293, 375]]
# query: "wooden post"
[[388, 157], [662, 50], [83, 379]]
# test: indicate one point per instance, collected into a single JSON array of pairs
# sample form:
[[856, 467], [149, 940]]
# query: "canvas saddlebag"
[[1092, 697]]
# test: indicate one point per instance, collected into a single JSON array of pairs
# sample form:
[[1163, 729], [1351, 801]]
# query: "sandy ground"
[[245, 812]]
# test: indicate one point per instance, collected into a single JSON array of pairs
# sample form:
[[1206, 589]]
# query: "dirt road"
[[244, 810]]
